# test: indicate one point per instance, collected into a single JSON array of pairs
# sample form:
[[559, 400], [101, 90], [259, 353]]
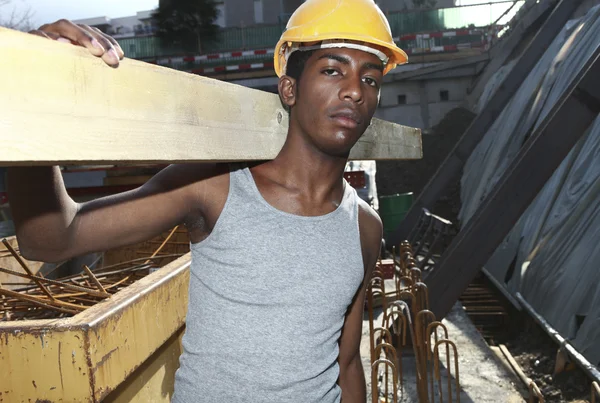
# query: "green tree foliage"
[[186, 24]]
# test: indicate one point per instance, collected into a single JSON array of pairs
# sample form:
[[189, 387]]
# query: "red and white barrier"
[[231, 68], [441, 34], [269, 52], [214, 56]]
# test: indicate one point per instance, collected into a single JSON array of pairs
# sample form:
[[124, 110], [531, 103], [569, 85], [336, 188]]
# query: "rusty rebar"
[[438, 375], [157, 251], [415, 274], [39, 301], [372, 291], [403, 284], [375, 372], [421, 296], [41, 280], [386, 336], [26, 268], [398, 330], [396, 359], [94, 279], [432, 330]]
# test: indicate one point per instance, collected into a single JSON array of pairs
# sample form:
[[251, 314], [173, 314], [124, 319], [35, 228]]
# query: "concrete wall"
[[424, 105], [271, 11], [239, 12]]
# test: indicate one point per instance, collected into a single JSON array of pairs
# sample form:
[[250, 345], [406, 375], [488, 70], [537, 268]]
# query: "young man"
[[281, 250]]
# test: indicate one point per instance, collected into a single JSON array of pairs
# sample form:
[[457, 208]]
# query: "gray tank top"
[[267, 298]]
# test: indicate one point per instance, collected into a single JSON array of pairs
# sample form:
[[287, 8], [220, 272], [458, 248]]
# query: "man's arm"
[[50, 226], [352, 377]]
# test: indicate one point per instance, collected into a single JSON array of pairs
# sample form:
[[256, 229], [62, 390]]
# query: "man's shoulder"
[[370, 225], [200, 183], [368, 217]]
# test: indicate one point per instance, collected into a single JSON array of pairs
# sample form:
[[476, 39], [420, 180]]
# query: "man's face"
[[336, 98]]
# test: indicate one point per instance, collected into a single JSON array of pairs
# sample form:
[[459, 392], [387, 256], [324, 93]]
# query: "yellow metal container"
[[123, 349]]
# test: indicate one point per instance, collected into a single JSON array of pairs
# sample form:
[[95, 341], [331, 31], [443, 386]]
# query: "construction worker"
[[281, 250]]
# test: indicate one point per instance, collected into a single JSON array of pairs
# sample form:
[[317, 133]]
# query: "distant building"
[[140, 24], [232, 13], [235, 13]]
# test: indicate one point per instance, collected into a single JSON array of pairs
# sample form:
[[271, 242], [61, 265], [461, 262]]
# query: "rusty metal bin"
[[125, 348]]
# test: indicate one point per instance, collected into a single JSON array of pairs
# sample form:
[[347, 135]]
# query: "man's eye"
[[371, 82], [330, 72]]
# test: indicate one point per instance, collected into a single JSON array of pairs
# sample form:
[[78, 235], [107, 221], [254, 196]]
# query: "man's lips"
[[347, 118]]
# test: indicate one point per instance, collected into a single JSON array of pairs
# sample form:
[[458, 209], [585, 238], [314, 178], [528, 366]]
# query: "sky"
[[45, 11]]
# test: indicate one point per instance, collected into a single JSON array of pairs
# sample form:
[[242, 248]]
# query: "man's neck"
[[300, 164]]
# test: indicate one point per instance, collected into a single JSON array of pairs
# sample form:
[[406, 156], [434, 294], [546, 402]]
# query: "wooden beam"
[[62, 105], [539, 157], [453, 164]]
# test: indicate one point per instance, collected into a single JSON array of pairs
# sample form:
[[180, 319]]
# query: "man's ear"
[[287, 91]]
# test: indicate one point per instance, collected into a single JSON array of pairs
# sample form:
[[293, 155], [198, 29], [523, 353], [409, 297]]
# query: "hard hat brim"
[[396, 55]]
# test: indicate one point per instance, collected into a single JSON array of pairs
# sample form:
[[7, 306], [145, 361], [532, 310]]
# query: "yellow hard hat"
[[336, 21]]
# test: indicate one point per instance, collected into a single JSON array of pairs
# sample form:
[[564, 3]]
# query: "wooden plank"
[[532, 167], [62, 105], [454, 162]]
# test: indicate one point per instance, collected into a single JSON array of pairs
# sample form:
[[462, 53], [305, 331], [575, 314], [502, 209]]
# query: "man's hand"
[[97, 42]]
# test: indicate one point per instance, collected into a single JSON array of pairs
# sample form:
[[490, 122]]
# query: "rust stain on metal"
[[88, 361], [60, 364], [104, 358]]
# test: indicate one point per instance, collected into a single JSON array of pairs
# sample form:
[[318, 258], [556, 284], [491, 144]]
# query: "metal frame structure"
[[546, 148], [455, 161]]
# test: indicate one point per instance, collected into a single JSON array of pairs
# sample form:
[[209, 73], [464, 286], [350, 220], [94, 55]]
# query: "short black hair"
[[295, 67], [296, 63]]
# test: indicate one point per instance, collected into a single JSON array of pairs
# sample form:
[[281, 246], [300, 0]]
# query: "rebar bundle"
[[37, 297], [408, 324]]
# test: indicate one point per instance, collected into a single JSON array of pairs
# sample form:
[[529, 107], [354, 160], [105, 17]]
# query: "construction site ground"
[[482, 376], [531, 347], [535, 352]]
